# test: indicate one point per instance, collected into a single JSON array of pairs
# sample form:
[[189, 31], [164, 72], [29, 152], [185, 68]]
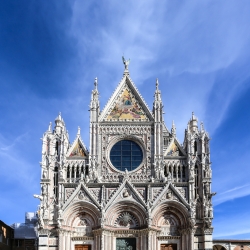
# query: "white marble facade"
[[159, 197]]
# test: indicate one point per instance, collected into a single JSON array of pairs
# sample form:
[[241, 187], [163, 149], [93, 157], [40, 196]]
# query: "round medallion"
[[126, 154]]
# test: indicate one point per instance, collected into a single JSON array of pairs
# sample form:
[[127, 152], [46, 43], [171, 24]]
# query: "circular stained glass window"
[[126, 154]]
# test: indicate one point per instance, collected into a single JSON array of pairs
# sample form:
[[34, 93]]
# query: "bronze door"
[[168, 246], [126, 244], [82, 247]]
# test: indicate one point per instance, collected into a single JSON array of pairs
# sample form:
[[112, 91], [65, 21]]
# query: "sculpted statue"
[[44, 174], [40, 217], [206, 188], [61, 174], [207, 172], [125, 62], [126, 193], [206, 209], [210, 211], [43, 189]]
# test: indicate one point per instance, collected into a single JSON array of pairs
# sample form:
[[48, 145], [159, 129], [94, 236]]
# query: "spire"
[[126, 63], [157, 83], [157, 91], [157, 106], [173, 129], [94, 103], [202, 127], [193, 123], [95, 95], [60, 125]]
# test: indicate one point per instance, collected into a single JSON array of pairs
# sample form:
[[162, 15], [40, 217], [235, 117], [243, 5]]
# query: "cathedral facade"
[[136, 187]]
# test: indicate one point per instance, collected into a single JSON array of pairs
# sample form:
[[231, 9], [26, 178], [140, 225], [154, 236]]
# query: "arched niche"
[[82, 217], [170, 217]]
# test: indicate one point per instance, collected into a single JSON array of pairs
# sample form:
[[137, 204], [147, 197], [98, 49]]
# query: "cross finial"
[[78, 130]]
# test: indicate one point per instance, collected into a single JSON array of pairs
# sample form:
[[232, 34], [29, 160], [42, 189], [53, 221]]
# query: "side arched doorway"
[[218, 247], [171, 219]]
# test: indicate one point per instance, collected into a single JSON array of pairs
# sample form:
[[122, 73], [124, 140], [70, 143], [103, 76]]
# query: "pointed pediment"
[[126, 104], [77, 149], [170, 193], [174, 149], [126, 192], [81, 193]]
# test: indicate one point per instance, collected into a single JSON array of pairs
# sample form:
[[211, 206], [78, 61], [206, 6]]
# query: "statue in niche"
[[210, 211], [83, 222], [40, 217], [125, 193], [43, 189], [162, 176], [206, 189], [44, 174], [81, 196], [206, 209], [207, 172], [61, 174], [169, 194]]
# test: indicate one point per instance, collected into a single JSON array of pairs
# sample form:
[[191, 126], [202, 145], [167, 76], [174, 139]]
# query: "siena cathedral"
[[136, 187]]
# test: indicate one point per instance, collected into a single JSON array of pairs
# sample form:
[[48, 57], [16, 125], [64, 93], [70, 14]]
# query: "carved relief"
[[126, 219], [68, 192], [169, 225], [142, 192], [96, 193]]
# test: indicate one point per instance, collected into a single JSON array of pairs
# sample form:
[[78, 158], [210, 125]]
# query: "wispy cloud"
[[232, 194]]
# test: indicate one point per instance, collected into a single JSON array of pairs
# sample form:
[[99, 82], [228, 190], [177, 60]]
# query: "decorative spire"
[[157, 91], [193, 123], [78, 131], [157, 84], [59, 117], [202, 127], [173, 129], [193, 117]]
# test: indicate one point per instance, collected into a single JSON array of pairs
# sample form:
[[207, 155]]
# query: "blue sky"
[[51, 51]]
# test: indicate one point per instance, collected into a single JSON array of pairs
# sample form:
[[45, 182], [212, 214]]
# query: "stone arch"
[[219, 247], [118, 214], [81, 211], [170, 214]]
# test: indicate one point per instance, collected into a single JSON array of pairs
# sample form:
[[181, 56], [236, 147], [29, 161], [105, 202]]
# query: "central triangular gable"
[[126, 108], [126, 104]]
